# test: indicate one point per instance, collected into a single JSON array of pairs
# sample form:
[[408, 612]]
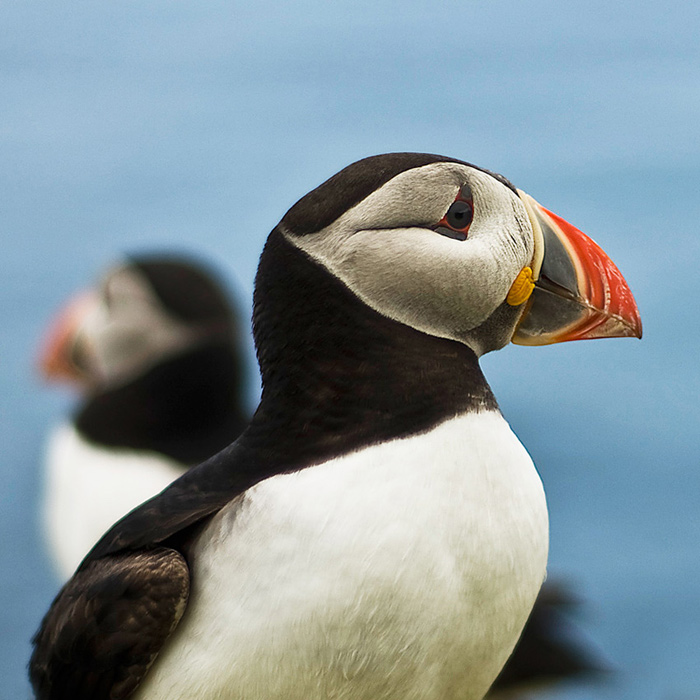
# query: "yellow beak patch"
[[522, 287]]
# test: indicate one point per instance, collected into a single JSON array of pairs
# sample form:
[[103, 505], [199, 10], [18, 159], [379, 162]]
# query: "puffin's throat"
[[341, 374]]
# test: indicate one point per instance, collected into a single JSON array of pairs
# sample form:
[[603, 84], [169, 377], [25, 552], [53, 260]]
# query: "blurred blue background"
[[144, 125]]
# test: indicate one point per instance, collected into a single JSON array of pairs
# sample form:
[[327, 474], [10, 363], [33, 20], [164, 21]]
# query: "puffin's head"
[[142, 312], [457, 252]]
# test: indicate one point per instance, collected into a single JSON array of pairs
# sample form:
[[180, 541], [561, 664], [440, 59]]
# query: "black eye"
[[459, 215], [458, 218]]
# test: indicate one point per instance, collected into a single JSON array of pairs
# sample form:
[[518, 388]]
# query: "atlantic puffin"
[[377, 531], [155, 352], [94, 478]]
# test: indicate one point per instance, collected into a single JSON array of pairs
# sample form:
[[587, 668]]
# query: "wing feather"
[[107, 625]]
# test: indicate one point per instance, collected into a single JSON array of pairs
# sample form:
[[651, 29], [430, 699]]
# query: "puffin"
[[154, 350], [93, 480], [377, 532]]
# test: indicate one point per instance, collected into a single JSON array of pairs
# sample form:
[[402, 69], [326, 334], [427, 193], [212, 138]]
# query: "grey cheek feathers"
[[415, 276], [418, 277], [135, 335]]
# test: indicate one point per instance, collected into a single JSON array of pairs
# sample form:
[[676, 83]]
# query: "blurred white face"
[[127, 330], [387, 251]]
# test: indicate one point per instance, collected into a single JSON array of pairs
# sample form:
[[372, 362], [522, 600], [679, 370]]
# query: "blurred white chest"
[[89, 487]]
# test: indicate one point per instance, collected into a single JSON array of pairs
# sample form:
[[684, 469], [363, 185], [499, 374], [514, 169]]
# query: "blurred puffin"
[[377, 531], [155, 352]]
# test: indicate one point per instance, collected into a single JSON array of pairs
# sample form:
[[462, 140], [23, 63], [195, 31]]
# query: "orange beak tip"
[[580, 293], [54, 360]]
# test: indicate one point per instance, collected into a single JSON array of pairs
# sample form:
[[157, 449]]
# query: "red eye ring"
[[458, 218]]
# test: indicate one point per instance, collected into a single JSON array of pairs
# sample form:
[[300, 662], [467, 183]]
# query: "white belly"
[[403, 571], [88, 488]]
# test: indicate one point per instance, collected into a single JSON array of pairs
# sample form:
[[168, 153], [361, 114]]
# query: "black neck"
[[187, 408], [338, 375]]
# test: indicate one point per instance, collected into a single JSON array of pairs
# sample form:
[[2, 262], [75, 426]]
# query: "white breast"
[[403, 571], [88, 488]]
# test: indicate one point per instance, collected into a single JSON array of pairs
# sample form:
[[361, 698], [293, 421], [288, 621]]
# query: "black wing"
[[107, 625], [548, 651]]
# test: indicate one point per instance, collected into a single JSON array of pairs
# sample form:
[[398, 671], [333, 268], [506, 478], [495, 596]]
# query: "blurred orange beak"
[[56, 356], [579, 293]]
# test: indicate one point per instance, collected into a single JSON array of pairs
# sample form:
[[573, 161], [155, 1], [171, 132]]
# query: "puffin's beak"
[[579, 292], [56, 356]]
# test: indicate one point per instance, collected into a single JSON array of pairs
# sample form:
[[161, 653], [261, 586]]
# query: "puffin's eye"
[[458, 218], [459, 215]]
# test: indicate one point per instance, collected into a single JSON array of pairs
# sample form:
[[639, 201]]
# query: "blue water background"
[[144, 125]]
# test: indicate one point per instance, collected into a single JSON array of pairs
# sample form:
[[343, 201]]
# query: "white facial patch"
[[130, 331], [385, 252]]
